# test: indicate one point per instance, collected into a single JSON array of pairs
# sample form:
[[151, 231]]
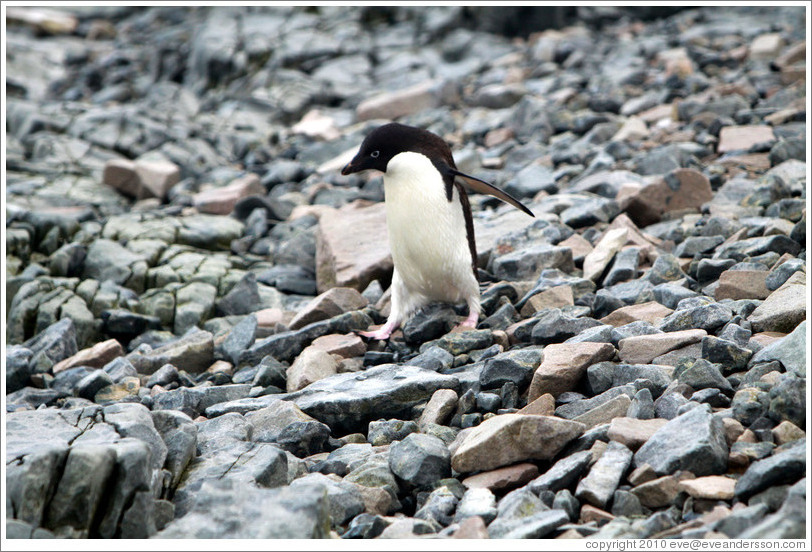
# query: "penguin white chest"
[[427, 232]]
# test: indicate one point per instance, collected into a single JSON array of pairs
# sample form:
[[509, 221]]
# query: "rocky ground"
[[186, 269]]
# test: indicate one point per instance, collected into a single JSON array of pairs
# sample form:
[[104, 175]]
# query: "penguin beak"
[[348, 169]]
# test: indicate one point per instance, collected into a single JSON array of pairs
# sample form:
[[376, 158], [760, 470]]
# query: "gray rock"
[[562, 474], [554, 326], [194, 352], [670, 294], [708, 317], [179, 434], [511, 366], [623, 267], [788, 400], [514, 510], [18, 373], [429, 323], [573, 409], [163, 376], [434, 358], [724, 352], [439, 506], [528, 263], [387, 391], [642, 406], [605, 375], [740, 520], [347, 458], [626, 504], [344, 499], [88, 386], [56, 343], [603, 478], [240, 337], [789, 522], [537, 526], [420, 459], [749, 404], [780, 274], [230, 509], [193, 401], [531, 180], [384, 432], [790, 351], [701, 374], [477, 501], [704, 454]]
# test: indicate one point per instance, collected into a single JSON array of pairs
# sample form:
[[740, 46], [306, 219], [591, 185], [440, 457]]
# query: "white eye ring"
[[375, 154]]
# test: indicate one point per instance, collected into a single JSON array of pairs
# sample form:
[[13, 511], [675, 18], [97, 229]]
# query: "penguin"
[[428, 215]]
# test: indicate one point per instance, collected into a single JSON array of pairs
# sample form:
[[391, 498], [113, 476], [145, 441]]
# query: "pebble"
[[188, 270]]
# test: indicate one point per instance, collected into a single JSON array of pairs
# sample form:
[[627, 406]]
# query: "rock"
[[701, 374], [650, 311], [384, 432], [606, 375], [783, 309], [194, 352], [391, 105], [787, 522], [56, 343], [742, 284], [327, 305], [708, 317], [344, 499], [502, 478], [790, 351], [221, 201], [479, 502], [605, 412], [600, 483], [95, 357], [512, 366], [599, 258], [504, 439], [352, 247], [657, 493], [711, 487], [745, 137], [439, 408], [553, 326], [527, 264], [564, 365], [310, 366], [677, 190], [668, 451], [388, 391], [633, 433], [420, 460], [643, 349], [224, 509], [439, 506]]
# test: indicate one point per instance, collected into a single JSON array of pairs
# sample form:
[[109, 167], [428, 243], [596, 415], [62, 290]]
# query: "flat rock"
[[352, 247], [650, 311], [744, 137], [604, 251], [508, 438], [633, 432], [500, 479], [310, 366], [331, 303], [348, 402], [194, 352], [710, 487], [642, 349], [94, 357]]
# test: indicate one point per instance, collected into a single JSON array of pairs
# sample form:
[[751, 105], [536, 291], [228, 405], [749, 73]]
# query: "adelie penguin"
[[431, 230]]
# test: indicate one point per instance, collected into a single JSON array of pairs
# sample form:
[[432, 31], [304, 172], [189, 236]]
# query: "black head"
[[386, 141]]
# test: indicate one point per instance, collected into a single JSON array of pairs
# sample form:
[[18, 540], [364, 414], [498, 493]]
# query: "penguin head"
[[386, 141]]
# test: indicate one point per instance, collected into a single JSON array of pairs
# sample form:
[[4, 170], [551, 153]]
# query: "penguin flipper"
[[483, 187]]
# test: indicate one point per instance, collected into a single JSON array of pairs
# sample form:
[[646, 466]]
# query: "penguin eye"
[[375, 154]]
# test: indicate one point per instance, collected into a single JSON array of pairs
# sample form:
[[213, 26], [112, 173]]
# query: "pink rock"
[[345, 346], [391, 105], [642, 349], [563, 366], [651, 312], [352, 247], [94, 357], [744, 137], [156, 178], [471, 528], [120, 174], [503, 478], [679, 190], [742, 284], [221, 201], [330, 303], [311, 365], [633, 432]]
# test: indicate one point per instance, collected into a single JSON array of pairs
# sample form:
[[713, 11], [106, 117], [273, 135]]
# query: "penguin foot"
[[471, 321], [381, 333]]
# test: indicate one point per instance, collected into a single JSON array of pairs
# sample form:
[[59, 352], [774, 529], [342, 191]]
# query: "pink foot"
[[471, 321], [381, 333]]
